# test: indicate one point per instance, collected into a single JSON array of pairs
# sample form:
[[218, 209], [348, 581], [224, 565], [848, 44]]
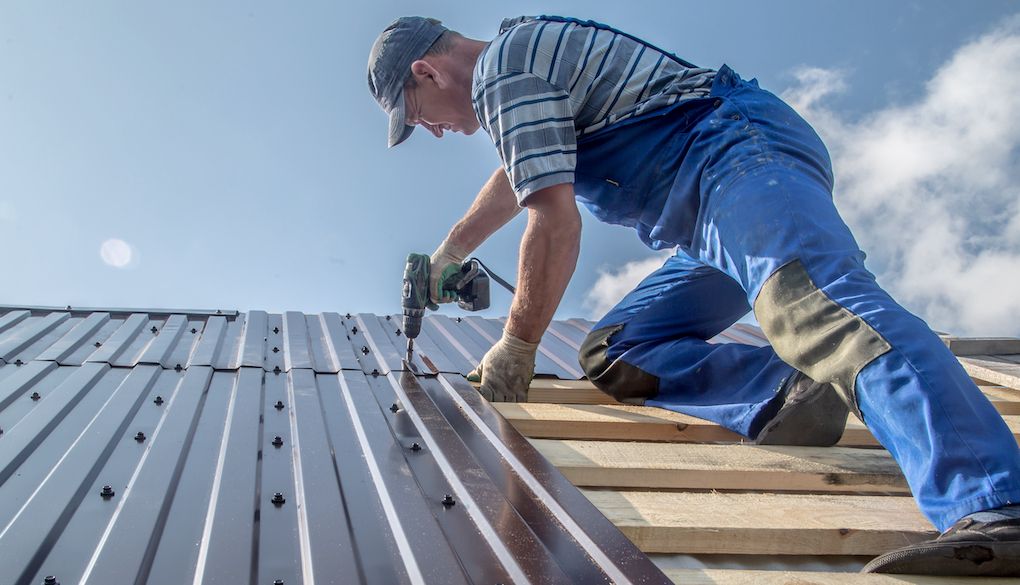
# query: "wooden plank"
[[552, 391], [724, 467], [641, 423], [757, 577], [1002, 373], [765, 524], [610, 422], [1005, 400], [970, 346], [556, 391]]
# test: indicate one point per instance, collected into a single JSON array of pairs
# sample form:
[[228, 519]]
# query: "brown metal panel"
[[588, 546]]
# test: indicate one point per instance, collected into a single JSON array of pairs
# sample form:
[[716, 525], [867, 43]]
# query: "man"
[[703, 161]]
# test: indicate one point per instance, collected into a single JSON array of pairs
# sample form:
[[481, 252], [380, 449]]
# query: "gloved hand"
[[444, 265], [506, 370]]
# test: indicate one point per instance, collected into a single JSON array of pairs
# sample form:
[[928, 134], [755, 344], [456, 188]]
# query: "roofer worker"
[[705, 162]]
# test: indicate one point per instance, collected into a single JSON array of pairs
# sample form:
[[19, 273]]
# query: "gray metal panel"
[[12, 318], [363, 462], [27, 332], [74, 338]]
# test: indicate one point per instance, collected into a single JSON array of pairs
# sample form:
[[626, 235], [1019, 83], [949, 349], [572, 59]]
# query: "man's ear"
[[423, 72]]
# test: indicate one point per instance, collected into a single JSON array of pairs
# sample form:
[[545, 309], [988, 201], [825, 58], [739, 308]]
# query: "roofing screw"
[[1, 431], [106, 492], [153, 329], [354, 330], [279, 405], [276, 329], [50, 580], [364, 349], [277, 581], [459, 319], [98, 344], [276, 350], [448, 500], [158, 400], [394, 407], [415, 447], [398, 332], [140, 436], [35, 396], [193, 330], [278, 441], [375, 373], [18, 362], [347, 316], [276, 370], [178, 368], [278, 499], [387, 317]]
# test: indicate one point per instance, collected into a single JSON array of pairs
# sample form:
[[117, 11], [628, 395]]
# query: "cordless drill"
[[471, 288]]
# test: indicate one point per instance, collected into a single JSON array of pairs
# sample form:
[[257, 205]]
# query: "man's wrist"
[[517, 345]]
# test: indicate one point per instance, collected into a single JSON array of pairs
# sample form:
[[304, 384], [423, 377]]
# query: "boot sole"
[[964, 558]]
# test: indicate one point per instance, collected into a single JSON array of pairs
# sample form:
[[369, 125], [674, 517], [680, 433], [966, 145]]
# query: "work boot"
[[970, 547], [811, 415]]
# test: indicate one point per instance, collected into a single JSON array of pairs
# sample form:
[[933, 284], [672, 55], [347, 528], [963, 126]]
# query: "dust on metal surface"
[[167, 447]]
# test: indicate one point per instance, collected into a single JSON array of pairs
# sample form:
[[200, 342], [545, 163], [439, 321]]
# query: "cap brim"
[[399, 130]]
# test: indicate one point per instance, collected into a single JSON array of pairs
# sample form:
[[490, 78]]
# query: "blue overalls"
[[742, 187]]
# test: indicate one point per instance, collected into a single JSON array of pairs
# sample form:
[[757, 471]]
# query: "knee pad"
[[622, 381], [813, 333]]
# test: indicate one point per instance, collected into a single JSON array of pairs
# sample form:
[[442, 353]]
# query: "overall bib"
[[742, 187]]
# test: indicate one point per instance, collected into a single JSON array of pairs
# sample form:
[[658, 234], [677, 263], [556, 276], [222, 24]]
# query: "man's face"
[[439, 109]]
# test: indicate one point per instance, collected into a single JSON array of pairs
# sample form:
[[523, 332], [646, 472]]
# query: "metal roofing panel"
[[382, 477]]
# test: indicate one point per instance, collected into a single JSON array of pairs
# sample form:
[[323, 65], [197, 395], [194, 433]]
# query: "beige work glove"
[[506, 370], [443, 266]]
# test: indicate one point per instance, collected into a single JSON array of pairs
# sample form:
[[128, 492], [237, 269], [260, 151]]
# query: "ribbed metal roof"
[[255, 447]]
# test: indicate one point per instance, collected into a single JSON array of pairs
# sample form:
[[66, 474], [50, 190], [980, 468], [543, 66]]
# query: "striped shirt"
[[540, 85]]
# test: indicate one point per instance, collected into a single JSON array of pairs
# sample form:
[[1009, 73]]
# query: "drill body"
[[471, 288]]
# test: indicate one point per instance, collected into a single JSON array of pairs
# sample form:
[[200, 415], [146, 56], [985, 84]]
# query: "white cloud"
[[612, 285], [7, 212], [930, 188], [118, 253]]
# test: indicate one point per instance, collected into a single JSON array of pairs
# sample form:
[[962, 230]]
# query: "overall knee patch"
[[813, 333], [617, 378]]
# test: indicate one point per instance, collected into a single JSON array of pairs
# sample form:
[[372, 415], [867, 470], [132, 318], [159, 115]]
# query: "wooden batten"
[[629, 465], [763, 523]]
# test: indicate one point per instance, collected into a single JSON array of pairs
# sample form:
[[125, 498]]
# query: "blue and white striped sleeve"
[[531, 123]]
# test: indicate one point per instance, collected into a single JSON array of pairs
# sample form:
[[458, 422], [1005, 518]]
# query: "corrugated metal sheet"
[[261, 447], [324, 342]]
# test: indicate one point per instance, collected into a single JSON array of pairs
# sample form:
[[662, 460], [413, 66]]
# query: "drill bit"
[[410, 348]]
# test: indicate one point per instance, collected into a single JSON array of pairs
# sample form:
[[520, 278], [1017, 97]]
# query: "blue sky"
[[234, 146]]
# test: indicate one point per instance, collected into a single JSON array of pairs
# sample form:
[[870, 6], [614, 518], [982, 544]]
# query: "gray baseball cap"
[[403, 42]]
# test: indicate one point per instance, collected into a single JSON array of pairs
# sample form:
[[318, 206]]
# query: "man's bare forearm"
[[548, 257], [493, 207]]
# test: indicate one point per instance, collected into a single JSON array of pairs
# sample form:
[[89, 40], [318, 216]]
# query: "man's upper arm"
[[531, 123]]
